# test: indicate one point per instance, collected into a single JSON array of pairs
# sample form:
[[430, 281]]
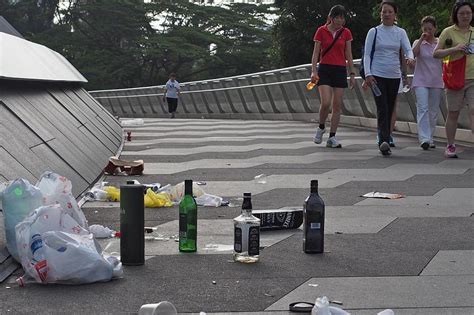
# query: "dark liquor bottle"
[[188, 220], [313, 228], [246, 234]]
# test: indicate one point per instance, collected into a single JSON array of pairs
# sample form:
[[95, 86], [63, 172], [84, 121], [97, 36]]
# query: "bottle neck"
[[314, 189], [247, 206], [188, 187]]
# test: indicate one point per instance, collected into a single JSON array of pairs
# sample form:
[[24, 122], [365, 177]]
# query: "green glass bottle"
[[188, 220]]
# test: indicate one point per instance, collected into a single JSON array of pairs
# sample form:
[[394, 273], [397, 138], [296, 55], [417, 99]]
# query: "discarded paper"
[[376, 194]]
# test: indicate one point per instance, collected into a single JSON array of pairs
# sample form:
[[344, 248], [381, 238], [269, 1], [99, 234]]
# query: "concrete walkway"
[[414, 255]]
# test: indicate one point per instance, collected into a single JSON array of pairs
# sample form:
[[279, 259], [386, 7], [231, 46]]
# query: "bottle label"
[[237, 239], [315, 225], [254, 240], [42, 270], [183, 225]]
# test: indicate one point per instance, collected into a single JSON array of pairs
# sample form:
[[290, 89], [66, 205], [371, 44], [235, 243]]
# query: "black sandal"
[[301, 307]]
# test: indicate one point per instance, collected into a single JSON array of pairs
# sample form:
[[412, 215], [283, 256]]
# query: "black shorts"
[[172, 104], [334, 76]]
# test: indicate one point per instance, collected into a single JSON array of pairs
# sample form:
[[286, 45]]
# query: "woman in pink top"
[[427, 82]]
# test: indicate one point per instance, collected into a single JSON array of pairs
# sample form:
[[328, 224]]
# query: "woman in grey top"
[[383, 70]]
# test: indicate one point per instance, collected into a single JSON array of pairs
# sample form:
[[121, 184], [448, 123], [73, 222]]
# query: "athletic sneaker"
[[425, 145], [450, 151], [318, 137], [391, 142], [385, 148], [333, 143]]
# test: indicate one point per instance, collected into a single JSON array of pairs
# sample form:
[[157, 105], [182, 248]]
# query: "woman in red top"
[[332, 45]]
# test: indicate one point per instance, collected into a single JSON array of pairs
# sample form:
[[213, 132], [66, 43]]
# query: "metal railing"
[[275, 94]]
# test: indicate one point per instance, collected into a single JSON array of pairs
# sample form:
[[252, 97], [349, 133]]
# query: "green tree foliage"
[[412, 11], [299, 19], [127, 43], [29, 16]]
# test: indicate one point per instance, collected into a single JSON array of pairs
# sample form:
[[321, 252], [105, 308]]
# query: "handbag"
[[454, 73]]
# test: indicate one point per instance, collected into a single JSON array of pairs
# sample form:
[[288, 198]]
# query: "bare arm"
[[417, 46], [441, 53], [350, 63], [314, 61]]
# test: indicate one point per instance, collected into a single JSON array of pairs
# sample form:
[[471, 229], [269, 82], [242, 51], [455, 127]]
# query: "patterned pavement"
[[414, 255]]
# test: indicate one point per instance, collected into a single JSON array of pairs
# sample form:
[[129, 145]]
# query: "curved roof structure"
[[21, 59]]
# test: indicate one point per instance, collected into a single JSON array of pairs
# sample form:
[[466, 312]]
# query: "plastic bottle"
[[313, 227], [375, 89], [37, 256], [310, 85]]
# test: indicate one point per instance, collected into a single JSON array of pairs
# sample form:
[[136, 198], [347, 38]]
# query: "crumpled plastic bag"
[[113, 193], [157, 200], [207, 200], [177, 191], [74, 259], [321, 307], [57, 189], [54, 248], [19, 199], [100, 231]]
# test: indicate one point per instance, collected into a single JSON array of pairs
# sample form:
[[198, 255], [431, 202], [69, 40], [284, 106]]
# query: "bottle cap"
[[314, 182], [247, 195]]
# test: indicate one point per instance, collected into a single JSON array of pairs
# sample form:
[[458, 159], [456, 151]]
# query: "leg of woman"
[[337, 95], [392, 92], [383, 118], [451, 126], [325, 92], [433, 104], [422, 116], [393, 121], [470, 102]]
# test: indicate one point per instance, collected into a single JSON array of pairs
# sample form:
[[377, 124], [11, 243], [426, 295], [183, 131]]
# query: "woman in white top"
[[383, 70], [427, 82]]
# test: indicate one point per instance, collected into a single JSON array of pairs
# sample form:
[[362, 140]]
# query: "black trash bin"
[[132, 225]]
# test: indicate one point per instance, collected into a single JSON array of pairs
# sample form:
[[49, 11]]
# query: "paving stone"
[[386, 292], [451, 262]]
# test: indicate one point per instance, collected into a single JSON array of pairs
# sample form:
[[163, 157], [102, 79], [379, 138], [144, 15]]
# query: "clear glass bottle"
[[313, 228], [246, 234], [188, 220]]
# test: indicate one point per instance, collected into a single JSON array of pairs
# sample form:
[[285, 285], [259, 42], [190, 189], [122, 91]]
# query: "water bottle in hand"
[[375, 89]]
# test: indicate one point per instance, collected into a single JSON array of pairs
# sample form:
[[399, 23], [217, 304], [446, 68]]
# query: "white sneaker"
[[333, 143], [318, 137]]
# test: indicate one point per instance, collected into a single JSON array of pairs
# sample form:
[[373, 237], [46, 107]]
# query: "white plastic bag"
[[20, 198], [177, 191], [100, 231], [57, 189], [74, 259], [207, 200], [30, 241], [54, 248]]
